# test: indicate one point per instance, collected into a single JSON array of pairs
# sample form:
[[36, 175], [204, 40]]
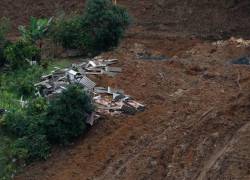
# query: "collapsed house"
[[111, 101], [107, 100]]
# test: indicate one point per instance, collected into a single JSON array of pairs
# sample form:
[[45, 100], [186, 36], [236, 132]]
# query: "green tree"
[[67, 115], [105, 23], [36, 30], [20, 54], [100, 28]]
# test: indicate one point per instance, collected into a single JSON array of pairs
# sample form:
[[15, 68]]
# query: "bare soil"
[[196, 125], [197, 105], [209, 19]]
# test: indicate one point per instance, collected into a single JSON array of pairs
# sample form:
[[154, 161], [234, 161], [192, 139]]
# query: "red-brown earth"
[[196, 125]]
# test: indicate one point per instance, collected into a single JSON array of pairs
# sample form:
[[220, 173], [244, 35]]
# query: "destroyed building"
[[108, 101]]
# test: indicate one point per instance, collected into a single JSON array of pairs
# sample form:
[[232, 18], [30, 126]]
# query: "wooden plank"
[[100, 90], [113, 69], [94, 73], [110, 74]]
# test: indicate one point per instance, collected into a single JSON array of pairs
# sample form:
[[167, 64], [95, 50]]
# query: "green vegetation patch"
[[98, 29]]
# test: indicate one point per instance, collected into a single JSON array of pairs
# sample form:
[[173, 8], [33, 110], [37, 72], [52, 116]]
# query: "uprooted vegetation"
[[31, 125]]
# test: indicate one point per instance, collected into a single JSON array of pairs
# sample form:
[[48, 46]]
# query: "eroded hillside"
[[196, 125], [205, 18]]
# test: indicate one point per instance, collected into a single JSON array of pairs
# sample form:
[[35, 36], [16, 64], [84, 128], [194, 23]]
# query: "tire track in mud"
[[218, 154], [112, 172]]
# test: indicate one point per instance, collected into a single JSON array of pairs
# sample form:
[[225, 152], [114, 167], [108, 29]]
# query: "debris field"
[[108, 101]]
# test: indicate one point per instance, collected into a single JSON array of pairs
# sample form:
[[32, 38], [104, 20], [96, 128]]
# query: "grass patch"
[[60, 63]]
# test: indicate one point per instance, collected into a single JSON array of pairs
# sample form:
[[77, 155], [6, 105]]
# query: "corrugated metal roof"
[[86, 82]]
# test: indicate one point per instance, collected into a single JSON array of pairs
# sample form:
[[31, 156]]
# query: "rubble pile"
[[57, 80], [114, 102], [238, 41], [107, 100]]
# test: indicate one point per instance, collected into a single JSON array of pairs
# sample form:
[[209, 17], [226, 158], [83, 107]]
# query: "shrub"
[[22, 82], [19, 54], [28, 128], [27, 122], [31, 141], [67, 32], [15, 124], [106, 23], [38, 126], [8, 100], [31, 148], [7, 166], [67, 115], [100, 28], [37, 107]]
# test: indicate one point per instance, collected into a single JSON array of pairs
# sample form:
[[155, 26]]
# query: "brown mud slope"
[[197, 122], [196, 126], [202, 18]]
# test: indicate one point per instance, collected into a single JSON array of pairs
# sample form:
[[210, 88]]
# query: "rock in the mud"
[[242, 61]]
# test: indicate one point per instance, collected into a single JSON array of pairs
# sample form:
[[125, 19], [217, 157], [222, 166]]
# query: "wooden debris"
[[100, 90], [91, 119], [113, 69], [110, 74], [108, 101]]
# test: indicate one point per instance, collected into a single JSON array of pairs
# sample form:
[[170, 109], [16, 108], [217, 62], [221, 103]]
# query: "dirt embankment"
[[196, 125], [202, 18]]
